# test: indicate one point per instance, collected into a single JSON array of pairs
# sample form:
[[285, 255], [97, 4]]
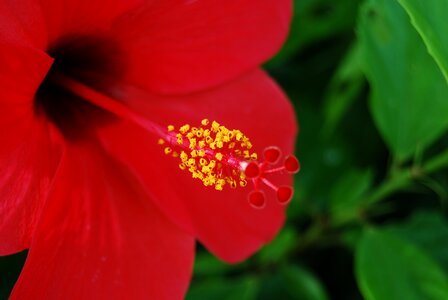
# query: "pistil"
[[211, 152]]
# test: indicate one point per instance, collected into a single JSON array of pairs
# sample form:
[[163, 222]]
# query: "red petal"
[[21, 22], [182, 46], [28, 154], [22, 71], [43, 22], [101, 237], [223, 221]]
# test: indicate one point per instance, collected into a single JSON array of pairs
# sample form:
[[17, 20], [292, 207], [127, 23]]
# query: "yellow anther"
[[182, 166], [218, 156], [183, 156], [233, 184], [243, 183], [170, 128], [254, 156], [179, 138], [191, 162], [167, 150], [199, 133], [204, 122], [239, 135], [175, 154], [184, 129], [201, 153], [215, 126], [161, 141], [194, 153], [193, 143], [220, 184], [203, 162]]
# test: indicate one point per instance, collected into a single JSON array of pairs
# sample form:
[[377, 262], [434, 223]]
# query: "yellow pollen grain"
[[184, 156], [219, 156], [184, 129], [239, 135], [233, 184], [179, 139], [193, 143], [215, 126], [170, 128], [167, 150], [161, 141], [205, 122]]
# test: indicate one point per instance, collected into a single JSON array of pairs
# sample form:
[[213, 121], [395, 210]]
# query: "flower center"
[[211, 153], [86, 59]]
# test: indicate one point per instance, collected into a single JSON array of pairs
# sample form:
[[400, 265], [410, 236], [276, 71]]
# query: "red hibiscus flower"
[[87, 89]]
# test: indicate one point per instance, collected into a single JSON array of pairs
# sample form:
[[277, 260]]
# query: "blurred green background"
[[368, 221]]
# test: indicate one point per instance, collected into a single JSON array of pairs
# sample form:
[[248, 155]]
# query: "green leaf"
[[292, 282], [409, 93], [347, 194], [279, 247], [207, 264], [242, 288], [302, 284], [390, 268], [315, 20], [429, 231], [429, 18], [344, 88]]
